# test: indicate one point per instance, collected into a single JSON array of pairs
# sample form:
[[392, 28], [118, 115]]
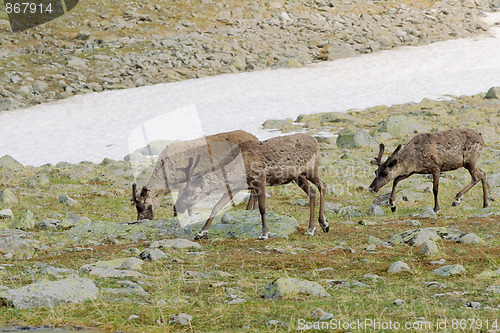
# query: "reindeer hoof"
[[263, 236], [456, 202], [310, 232], [326, 228], [393, 209], [201, 235]]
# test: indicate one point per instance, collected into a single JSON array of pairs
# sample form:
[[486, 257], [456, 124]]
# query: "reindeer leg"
[[435, 190], [252, 201], [482, 176], [311, 193], [262, 209], [218, 206], [392, 202], [322, 191], [476, 176]]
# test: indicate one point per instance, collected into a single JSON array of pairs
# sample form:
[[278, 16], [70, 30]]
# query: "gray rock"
[[277, 124], [40, 86], [428, 213], [55, 271], [25, 221], [473, 305], [398, 267], [39, 180], [336, 117], [449, 270], [152, 255], [177, 243], [182, 319], [429, 247], [77, 63], [110, 272], [354, 138], [290, 287], [18, 247], [121, 263], [131, 288], [493, 180], [6, 214], [8, 162], [471, 238], [402, 125], [322, 315], [399, 302], [50, 293], [376, 210], [493, 93], [493, 289], [7, 198], [64, 199]]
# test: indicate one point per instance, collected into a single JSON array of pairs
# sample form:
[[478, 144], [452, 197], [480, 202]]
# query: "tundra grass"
[[338, 260]]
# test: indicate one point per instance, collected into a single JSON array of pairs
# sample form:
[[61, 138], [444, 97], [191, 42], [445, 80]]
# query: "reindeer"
[[432, 153], [276, 161], [168, 174]]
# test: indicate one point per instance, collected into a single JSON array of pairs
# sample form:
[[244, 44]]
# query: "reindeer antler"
[[378, 159], [190, 167], [134, 196]]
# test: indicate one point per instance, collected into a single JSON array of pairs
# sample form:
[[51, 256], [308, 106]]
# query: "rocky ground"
[[106, 45], [73, 256]]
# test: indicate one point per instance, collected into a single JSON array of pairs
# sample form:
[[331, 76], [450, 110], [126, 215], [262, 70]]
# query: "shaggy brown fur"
[[273, 162], [433, 153], [169, 174]]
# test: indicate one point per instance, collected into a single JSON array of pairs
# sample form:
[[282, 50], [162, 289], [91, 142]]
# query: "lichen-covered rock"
[[335, 117], [493, 93], [8, 162], [290, 287], [429, 248], [281, 124], [178, 243], [402, 125], [120, 263], [50, 293], [417, 237], [25, 221], [355, 138], [397, 267], [6, 214], [7, 198], [449, 270], [18, 247], [152, 255]]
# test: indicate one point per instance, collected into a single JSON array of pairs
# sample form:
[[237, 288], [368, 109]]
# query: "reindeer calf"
[[432, 153]]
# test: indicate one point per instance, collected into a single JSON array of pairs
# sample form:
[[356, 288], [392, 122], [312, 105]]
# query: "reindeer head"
[[144, 210], [386, 171], [191, 193]]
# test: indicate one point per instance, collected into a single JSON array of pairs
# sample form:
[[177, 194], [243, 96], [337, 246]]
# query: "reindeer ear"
[[393, 162], [397, 150]]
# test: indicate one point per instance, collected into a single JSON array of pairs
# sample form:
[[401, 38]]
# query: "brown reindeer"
[[277, 161], [168, 173], [432, 153]]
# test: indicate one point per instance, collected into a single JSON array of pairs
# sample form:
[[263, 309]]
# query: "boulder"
[[290, 287], [8, 162], [25, 221], [493, 93], [402, 125], [397, 267], [355, 138], [7, 198], [50, 293], [449, 270], [177, 243]]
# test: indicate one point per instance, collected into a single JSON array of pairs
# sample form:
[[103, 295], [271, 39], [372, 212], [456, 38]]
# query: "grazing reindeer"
[[433, 153], [168, 174], [276, 161]]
